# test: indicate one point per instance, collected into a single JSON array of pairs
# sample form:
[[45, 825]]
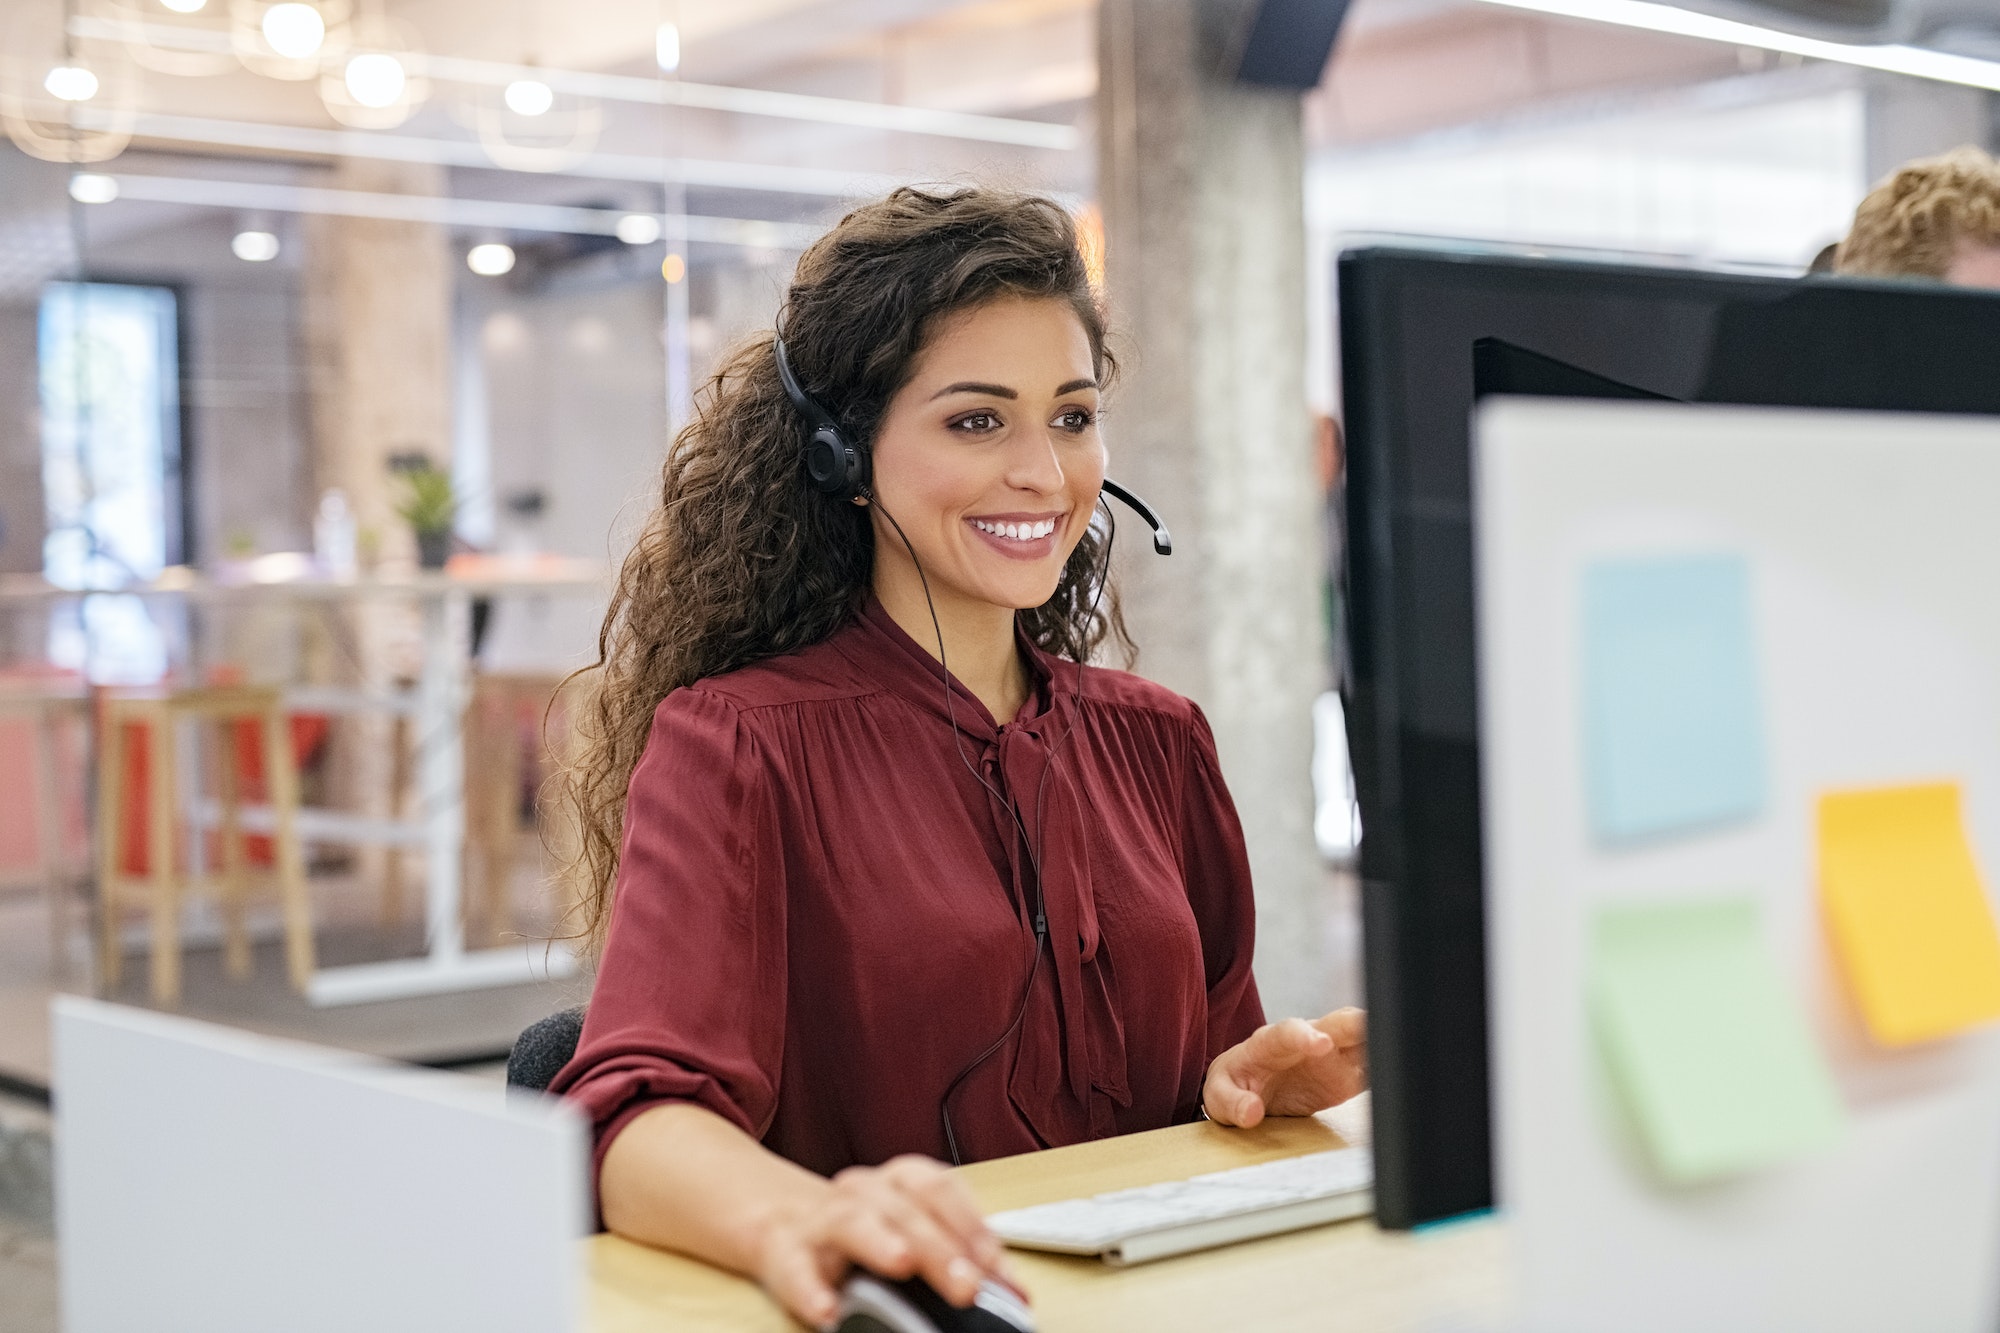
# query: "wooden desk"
[[1346, 1276]]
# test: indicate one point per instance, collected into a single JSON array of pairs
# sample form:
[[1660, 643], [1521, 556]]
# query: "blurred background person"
[[1937, 217]]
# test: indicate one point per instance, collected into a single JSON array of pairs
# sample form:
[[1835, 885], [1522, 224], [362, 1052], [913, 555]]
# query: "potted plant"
[[429, 506]]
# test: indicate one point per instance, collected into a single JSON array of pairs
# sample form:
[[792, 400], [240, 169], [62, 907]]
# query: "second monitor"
[[1410, 321]]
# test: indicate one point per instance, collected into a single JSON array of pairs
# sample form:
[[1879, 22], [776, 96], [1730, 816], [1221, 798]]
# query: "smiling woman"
[[899, 876], [990, 463]]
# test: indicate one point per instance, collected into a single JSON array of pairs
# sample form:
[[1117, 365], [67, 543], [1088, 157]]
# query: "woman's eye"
[[976, 422], [1075, 419]]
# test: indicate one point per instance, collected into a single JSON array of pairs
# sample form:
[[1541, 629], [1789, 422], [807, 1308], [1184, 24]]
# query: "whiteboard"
[[1873, 542]]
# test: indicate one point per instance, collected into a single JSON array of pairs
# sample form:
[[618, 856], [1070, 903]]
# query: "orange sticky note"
[[1910, 921]]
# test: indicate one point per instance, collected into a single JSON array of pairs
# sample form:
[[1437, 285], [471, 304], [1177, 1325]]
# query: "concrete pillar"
[[1202, 184], [23, 522], [378, 320], [378, 303]]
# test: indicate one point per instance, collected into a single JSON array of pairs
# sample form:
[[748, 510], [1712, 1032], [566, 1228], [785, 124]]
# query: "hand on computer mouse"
[[1293, 1067], [869, 1304], [909, 1217]]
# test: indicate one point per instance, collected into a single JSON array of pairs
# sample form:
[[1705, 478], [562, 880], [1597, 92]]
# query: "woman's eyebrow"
[[1002, 391], [973, 386]]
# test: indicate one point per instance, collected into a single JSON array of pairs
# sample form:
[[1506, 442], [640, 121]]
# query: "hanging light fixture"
[[63, 98], [254, 247], [289, 39], [375, 79], [639, 228], [70, 83], [532, 126], [529, 97], [378, 83], [490, 259], [87, 187], [294, 29], [186, 38]]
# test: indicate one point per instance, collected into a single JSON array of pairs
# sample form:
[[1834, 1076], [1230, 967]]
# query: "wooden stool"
[[499, 754], [164, 882]]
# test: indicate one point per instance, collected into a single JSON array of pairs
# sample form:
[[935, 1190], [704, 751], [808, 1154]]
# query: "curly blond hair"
[[1913, 223]]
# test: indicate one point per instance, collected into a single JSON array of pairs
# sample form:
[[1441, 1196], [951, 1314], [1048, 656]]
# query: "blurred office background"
[[271, 274]]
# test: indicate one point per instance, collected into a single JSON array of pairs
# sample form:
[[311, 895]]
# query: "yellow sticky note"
[[1909, 918]]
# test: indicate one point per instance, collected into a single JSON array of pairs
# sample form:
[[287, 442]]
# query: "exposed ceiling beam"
[[655, 91], [1916, 61], [816, 181], [467, 213]]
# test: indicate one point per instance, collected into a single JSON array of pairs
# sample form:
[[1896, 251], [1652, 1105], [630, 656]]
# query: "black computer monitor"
[[1423, 332]]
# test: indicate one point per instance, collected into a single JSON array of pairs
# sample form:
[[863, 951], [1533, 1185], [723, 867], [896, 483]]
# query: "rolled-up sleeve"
[[1217, 866], [689, 1002]]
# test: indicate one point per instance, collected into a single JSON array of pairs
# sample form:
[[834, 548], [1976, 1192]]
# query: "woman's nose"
[[1036, 466]]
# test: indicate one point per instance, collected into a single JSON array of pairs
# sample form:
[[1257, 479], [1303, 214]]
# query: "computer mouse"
[[871, 1304]]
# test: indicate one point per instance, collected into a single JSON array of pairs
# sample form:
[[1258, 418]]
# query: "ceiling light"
[[254, 247], [91, 188], [1919, 62], [294, 30], [638, 229], [667, 47], [673, 268], [375, 79], [71, 83], [183, 6], [490, 260], [529, 97]]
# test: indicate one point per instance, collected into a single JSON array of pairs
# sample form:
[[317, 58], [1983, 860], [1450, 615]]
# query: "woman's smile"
[[1020, 536]]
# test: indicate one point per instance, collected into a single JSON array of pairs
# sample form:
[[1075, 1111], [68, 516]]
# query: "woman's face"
[[989, 457]]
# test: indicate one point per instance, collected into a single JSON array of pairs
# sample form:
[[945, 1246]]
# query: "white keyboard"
[[1155, 1221]]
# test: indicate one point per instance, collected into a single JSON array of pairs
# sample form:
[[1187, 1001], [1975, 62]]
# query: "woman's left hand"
[[1293, 1067]]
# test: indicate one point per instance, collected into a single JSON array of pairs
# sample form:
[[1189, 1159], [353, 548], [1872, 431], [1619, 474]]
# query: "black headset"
[[839, 468]]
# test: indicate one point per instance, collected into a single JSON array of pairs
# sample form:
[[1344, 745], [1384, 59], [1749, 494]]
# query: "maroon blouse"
[[822, 917]]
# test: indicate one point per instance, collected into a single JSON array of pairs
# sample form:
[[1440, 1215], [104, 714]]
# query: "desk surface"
[[1347, 1275]]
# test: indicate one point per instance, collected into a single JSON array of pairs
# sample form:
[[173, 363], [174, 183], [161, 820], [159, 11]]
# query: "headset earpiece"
[[833, 464], [836, 465]]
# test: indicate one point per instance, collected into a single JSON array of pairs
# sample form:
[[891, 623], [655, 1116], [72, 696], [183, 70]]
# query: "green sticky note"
[[1703, 1039]]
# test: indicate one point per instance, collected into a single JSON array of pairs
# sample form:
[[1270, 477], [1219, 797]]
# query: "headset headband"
[[808, 407]]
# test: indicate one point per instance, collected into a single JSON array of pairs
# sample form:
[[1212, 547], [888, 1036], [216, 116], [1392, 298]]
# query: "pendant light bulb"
[[375, 79], [294, 30], [71, 83], [529, 97], [491, 259]]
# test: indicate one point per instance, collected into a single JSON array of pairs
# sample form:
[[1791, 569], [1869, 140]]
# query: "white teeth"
[[1020, 532]]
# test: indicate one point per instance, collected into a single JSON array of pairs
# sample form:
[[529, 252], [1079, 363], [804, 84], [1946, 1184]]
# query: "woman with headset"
[[883, 873]]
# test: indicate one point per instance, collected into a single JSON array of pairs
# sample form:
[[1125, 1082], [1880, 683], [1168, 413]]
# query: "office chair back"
[[543, 1048]]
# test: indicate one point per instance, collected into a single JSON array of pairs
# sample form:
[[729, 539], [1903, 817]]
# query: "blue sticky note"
[[1673, 737]]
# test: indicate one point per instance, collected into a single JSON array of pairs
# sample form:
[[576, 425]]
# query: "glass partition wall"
[[340, 343]]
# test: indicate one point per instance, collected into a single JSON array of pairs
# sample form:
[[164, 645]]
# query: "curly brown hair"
[[742, 559], [1912, 224]]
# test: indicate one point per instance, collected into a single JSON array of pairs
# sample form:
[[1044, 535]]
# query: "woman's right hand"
[[909, 1217]]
